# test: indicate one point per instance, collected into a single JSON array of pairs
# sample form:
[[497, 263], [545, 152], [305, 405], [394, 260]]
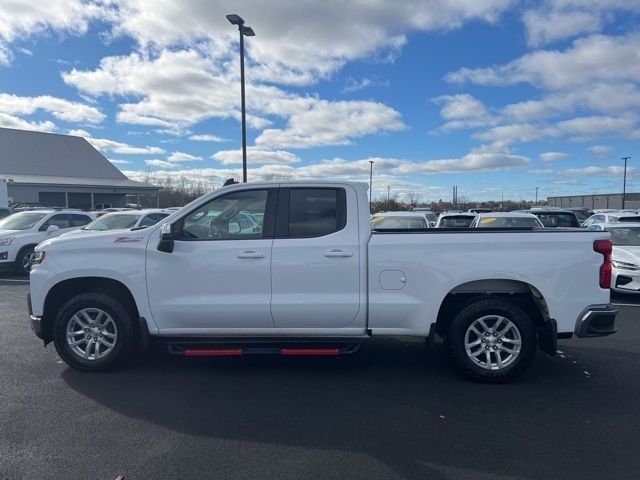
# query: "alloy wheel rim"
[[493, 342], [91, 334], [27, 261]]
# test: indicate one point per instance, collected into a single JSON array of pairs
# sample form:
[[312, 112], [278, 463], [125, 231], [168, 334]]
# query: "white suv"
[[21, 232]]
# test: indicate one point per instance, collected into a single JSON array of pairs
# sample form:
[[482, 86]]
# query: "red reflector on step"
[[213, 352], [310, 351]]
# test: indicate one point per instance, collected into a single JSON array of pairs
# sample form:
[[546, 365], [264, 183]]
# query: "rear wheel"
[[492, 340], [94, 332], [24, 260]]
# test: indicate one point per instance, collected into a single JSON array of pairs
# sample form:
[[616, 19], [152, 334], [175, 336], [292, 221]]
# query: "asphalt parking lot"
[[395, 410]]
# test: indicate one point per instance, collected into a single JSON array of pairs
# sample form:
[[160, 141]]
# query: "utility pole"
[[537, 195], [624, 183], [370, 185], [502, 202]]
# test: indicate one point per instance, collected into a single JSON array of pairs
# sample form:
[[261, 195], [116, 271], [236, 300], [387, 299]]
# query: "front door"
[[218, 275]]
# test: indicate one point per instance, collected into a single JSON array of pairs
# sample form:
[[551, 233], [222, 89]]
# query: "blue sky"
[[493, 96]]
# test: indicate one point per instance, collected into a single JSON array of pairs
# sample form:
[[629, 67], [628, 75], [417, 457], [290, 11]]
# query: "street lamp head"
[[248, 32], [235, 19]]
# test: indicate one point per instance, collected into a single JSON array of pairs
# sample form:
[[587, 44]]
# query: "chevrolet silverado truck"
[[308, 276]]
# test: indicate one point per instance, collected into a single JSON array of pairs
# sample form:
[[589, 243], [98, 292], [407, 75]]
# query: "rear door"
[[315, 262]]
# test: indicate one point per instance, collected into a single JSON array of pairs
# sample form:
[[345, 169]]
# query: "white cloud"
[[553, 156], [462, 111], [299, 40], [106, 145], [182, 157], [256, 155], [208, 138], [23, 18], [161, 164], [601, 150], [332, 123], [118, 162], [353, 85], [11, 121], [180, 88], [58, 107], [554, 20], [588, 60], [585, 128]]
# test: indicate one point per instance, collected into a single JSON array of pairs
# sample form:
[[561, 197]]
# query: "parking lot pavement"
[[394, 410]]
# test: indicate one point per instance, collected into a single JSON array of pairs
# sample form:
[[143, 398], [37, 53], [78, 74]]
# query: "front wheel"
[[492, 340], [94, 332]]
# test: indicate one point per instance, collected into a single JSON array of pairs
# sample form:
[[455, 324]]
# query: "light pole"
[[502, 202], [244, 31], [388, 197], [624, 183], [537, 195], [370, 184]]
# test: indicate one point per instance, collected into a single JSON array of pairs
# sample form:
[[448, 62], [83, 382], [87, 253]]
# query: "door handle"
[[337, 253], [250, 254]]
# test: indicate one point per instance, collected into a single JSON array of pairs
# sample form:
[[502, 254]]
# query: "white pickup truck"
[[309, 277]]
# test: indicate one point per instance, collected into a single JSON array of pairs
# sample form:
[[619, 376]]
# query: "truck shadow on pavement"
[[395, 401]]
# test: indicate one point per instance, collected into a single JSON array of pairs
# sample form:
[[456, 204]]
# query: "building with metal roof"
[[597, 200], [64, 171]]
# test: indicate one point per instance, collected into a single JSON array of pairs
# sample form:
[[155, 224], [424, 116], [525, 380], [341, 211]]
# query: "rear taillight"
[[604, 247]]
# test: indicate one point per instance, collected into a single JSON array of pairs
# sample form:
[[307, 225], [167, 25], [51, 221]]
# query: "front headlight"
[[5, 242], [39, 258], [624, 265]]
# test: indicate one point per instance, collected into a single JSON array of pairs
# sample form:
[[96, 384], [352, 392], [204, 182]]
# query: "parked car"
[[506, 220], [581, 213], [129, 219], [399, 221], [22, 231], [315, 280], [611, 217], [102, 206], [6, 211], [554, 217], [479, 210], [625, 258], [455, 220], [430, 215]]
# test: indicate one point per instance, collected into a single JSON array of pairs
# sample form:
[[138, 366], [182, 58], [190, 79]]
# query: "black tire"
[[20, 259], [125, 343], [492, 306]]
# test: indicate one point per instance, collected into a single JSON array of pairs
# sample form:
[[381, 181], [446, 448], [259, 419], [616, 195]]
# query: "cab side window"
[[234, 216], [312, 212], [78, 220], [60, 220]]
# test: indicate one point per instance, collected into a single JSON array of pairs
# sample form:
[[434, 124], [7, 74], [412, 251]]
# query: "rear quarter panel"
[[562, 265]]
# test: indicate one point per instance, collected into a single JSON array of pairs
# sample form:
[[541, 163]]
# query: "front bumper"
[[36, 322], [596, 321], [626, 281]]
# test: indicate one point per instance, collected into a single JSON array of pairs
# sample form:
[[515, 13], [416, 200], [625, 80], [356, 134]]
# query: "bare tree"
[[414, 199]]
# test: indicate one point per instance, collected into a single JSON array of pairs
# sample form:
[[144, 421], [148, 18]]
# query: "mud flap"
[[548, 337]]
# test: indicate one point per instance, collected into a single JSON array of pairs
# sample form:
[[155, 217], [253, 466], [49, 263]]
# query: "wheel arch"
[[525, 295], [66, 289]]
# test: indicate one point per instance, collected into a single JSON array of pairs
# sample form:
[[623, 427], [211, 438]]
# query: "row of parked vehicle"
[[624, 226], [20, 232]]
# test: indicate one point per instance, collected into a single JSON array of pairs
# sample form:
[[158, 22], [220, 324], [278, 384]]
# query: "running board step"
[[200, 349]]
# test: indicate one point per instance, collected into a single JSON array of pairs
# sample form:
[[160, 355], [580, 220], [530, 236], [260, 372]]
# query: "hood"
[[13, 233], [96, 240], [629, 254]]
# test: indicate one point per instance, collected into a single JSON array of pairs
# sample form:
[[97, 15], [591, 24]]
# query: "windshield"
[[113, 222], [557, 219], [21, 221], [456, 222], [404, 223], [582, 215], [625, 236], [507, 222]]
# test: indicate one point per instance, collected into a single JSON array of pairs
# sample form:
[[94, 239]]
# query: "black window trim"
[[268, 222], [283, 211]]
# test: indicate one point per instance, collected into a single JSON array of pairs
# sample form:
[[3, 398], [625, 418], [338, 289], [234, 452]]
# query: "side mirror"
[[52, 228], [166, 243]]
